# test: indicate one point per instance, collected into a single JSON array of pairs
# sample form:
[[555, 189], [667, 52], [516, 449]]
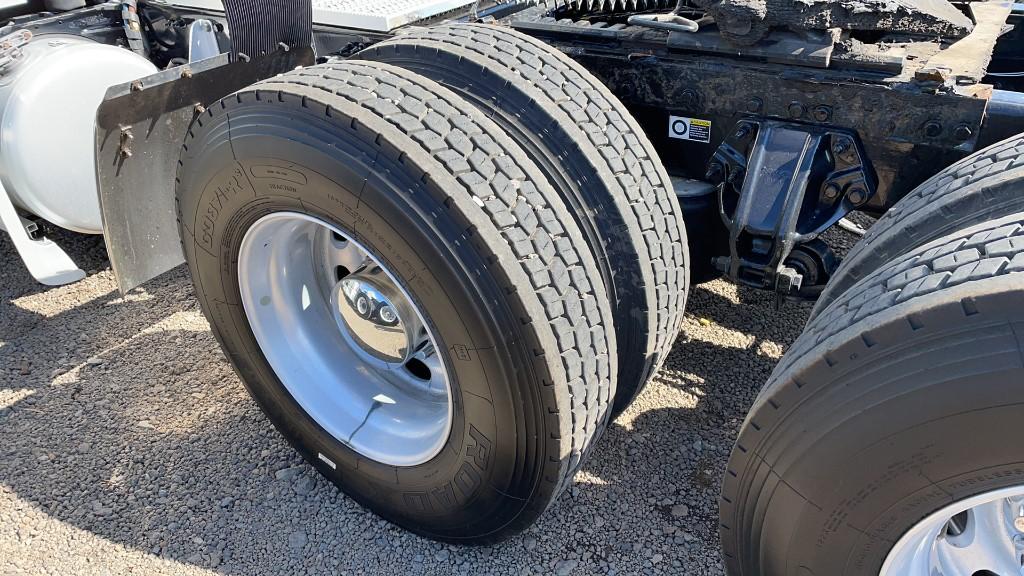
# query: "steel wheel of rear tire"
[[979, 535], [345, 338]]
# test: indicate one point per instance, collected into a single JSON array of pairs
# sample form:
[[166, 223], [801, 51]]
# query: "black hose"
[[153, 33]]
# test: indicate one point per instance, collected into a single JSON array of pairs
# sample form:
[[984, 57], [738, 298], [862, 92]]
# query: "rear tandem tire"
[[594, 153], [902, 397], [469, 228], [987, 184]]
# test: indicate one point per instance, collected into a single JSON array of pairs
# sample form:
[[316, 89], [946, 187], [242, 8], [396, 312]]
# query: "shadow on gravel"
[[129, 423], [752, 312]]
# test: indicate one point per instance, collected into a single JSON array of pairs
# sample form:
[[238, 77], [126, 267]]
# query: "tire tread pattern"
[[599, 127], [994, 250], [968, 192]]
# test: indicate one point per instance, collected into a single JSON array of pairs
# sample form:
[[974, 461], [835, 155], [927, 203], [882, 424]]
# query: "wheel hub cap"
[[367, 312]]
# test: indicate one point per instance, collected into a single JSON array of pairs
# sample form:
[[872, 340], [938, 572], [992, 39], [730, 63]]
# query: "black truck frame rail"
[[793, 133]]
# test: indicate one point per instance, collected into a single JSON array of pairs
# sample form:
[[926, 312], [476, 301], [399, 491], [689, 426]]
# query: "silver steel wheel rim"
[[983, 535], [345, 338]]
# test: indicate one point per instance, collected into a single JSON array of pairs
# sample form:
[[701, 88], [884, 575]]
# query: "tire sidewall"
[[900, 422], [242, 172]]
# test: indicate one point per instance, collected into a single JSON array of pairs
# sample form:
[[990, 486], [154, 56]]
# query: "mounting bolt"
[[754, 105], [963, 132], [857, 195], [743, 130], [186, 72], [737, 175], [125, 145], [715, 173], [823, 113], [932, 129], [832, 191], [689, 99], [198, 108], [841, 146], [796, 110], [136, 85]]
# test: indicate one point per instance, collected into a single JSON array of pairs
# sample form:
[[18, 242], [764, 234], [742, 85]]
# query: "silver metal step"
[[373, 15]]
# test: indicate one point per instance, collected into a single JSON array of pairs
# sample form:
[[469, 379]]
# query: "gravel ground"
[[129, 446]]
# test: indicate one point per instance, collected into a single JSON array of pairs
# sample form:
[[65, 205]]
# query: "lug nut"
[[363, 306], [387, 314]]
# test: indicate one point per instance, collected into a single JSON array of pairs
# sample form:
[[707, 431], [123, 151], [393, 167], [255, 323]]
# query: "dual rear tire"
[[592, 151], [884, 443], [406, 294]]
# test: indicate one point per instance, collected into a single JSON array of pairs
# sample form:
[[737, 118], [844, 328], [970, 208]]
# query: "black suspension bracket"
[[780, 185]]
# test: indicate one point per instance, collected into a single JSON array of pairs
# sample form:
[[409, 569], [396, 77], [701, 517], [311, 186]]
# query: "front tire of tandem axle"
[[987, 184], [594, 153], [401, 292], [898, 405]]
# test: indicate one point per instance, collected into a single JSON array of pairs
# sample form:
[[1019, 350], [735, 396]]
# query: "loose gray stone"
[[288, 474], [297, 540], [565, 567], [305, 485]]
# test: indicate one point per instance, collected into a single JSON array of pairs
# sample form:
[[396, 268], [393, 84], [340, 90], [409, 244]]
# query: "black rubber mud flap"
[[139, 130]]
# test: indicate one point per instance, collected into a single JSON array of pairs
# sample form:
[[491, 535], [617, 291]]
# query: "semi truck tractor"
[[444, 242]]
